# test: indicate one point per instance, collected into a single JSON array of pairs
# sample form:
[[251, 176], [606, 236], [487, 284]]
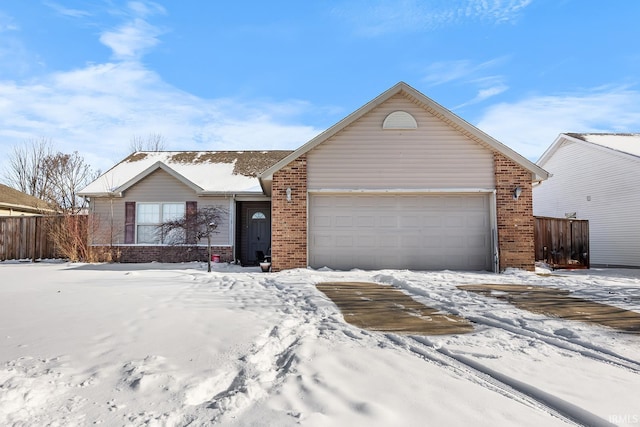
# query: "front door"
[[255, 230]]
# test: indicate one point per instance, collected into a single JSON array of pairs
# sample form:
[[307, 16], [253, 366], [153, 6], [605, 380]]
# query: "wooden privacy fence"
[[562, 242], [30, 237]]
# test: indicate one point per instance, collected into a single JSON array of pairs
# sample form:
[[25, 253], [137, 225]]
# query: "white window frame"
[[162, 216]]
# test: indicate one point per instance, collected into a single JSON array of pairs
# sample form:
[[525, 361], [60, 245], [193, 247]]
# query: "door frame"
[[243, 232]]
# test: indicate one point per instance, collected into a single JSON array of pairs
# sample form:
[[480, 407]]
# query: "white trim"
[[232, 224], [157, 165], [538, 174], [563, 137], [495, 246], [308, 227]]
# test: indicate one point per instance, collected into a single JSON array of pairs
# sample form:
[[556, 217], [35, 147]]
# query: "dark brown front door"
[[255, 231]]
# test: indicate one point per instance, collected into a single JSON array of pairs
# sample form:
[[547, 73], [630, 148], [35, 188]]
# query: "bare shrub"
[[70, 234]]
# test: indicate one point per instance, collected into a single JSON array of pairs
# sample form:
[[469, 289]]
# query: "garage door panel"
[[344, 221], [400, 231]]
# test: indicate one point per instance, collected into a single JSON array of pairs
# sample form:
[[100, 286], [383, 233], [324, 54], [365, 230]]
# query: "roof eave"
[[158, 165], [538, 173], [231, 193], [25, 208]]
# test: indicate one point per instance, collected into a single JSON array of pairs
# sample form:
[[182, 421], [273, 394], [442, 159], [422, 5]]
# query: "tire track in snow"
[[585, 349], [498, 382], [573, 345]]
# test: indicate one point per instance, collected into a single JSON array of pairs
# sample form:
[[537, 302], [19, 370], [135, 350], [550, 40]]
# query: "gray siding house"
[[596, 176]]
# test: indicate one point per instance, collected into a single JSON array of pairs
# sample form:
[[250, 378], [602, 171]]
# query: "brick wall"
[[289, 218], [131, 254], [515, 217]]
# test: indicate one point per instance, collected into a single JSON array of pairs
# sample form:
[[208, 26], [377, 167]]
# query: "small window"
[[399, 120], [258, 215]]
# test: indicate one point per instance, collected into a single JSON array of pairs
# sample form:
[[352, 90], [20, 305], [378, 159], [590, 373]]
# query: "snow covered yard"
[[170, 344]]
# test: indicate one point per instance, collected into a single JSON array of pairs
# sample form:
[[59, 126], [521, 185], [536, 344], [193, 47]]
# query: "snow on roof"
[[625, 142], [205, 171]]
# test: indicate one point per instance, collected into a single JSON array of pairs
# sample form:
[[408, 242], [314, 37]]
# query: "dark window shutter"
[[191, 215], [129, 222]]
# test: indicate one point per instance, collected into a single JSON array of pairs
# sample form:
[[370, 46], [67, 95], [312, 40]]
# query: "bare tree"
[[53, 177], [153, 142], [68, 174], [192, 227], [26, 171]]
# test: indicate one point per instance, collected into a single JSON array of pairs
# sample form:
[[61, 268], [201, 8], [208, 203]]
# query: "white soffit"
[[399, 120]]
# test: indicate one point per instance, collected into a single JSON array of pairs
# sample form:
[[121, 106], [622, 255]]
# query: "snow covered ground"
[[170, 344]]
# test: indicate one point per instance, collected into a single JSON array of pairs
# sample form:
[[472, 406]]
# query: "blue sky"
[[215, 75]]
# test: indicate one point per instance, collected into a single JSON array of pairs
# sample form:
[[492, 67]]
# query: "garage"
[[401, 231]]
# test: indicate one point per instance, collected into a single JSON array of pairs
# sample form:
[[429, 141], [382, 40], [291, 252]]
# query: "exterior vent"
[[399, 120]]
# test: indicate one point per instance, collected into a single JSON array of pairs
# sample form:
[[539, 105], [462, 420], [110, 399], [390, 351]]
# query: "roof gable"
[[427, 103], [206, 172], [625, 144]]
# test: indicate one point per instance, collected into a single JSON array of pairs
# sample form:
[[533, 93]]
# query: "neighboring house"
[[596, 176], [128, 202], [400, 183], [17, 203]]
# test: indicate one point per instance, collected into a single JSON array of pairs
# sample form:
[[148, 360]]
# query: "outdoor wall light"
[[516, 193], [288, 194]]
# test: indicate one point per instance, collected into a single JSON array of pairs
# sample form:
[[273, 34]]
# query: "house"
[[596, 176], [400, 183], [17, 203], [129, 201]]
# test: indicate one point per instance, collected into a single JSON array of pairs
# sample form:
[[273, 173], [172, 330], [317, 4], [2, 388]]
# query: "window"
[[151, 215], [399, 120], [258, 215]]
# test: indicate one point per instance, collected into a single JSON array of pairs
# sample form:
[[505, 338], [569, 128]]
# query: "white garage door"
[[421, 232]]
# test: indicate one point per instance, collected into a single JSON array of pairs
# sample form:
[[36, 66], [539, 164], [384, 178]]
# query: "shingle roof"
[[11, 198], [204, 171]]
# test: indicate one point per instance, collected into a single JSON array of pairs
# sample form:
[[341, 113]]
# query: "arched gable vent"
[[399, 120]]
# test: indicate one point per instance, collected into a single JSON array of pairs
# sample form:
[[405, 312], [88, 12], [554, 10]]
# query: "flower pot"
[[265, 266]]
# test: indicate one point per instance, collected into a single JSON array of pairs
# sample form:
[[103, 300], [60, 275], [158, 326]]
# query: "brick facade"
[[289, 218], [138, 253], [515, 217]]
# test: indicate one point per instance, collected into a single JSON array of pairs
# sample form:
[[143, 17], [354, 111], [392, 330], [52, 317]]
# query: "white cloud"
[[67, 11], [495, 10], [7, 23], [131, 40], [466, 72], [447, 71], [379, 17], [97, 109], [146, 8], [484, 94], [530, 125]]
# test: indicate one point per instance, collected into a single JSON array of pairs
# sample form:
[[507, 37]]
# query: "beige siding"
[[434, 155], [107, 218], [599, 185], [158, 187]]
